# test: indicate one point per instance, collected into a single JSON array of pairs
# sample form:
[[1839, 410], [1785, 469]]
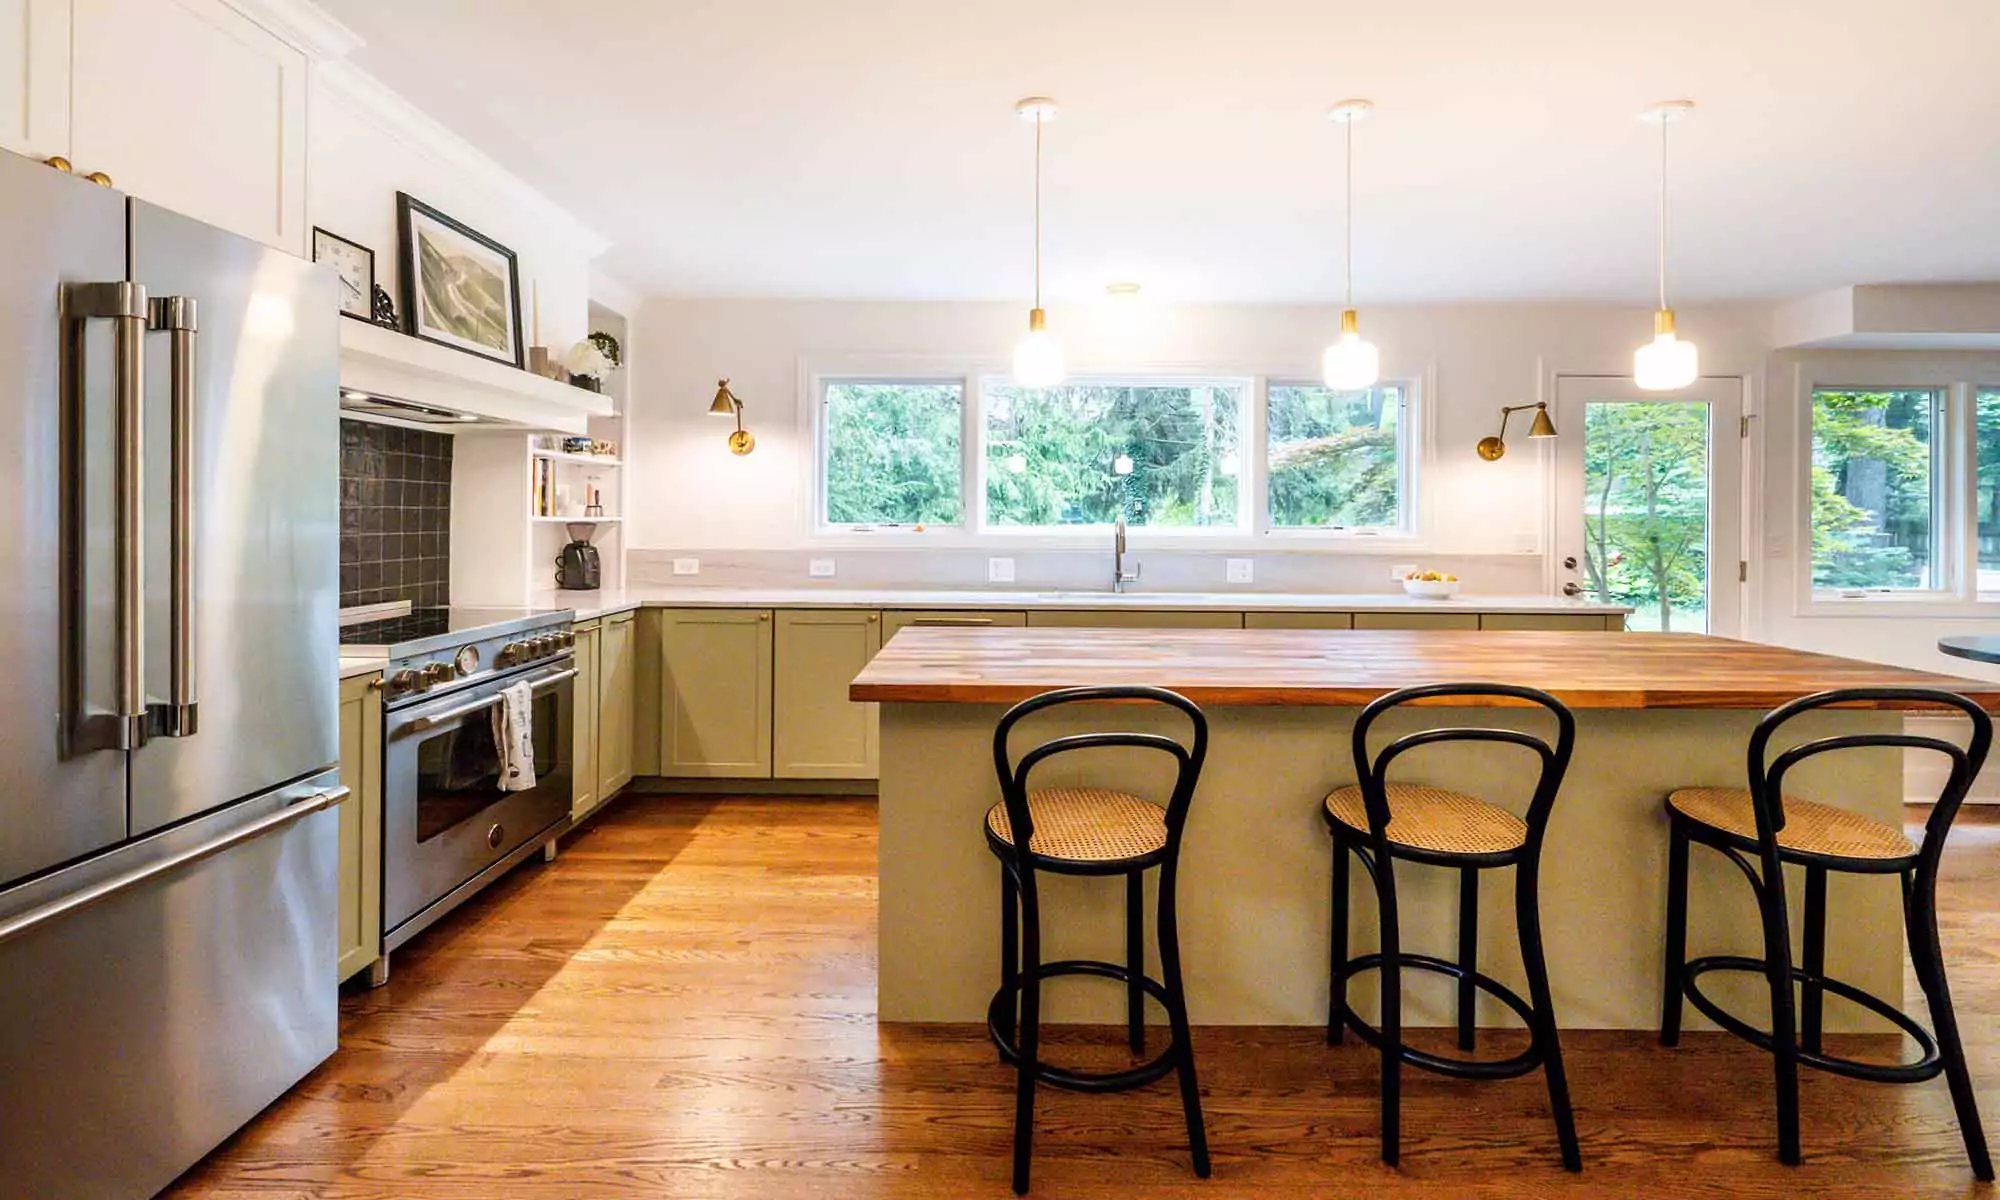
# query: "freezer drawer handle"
[[124, 304], [175, 316], [434, 720], [97, 893]]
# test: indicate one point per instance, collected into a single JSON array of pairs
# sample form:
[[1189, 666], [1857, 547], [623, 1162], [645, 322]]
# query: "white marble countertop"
[[352, 665], [592, 605]]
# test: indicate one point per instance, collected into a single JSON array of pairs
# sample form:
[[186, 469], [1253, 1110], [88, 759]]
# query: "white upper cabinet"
[[193, 106], [34, 77]]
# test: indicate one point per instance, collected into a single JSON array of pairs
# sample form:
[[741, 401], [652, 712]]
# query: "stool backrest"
[[1372, 776], [1767, 783], [1014, 775]]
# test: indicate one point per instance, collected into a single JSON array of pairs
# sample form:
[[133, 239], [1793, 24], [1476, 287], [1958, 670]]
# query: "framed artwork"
[[354, 266], [460, 288]]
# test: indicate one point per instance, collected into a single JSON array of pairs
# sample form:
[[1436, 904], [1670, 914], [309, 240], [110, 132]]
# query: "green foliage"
[[1050, 454], [1333, 457], [1646, 494], [609, 346], [1871, 488], [893, 453]]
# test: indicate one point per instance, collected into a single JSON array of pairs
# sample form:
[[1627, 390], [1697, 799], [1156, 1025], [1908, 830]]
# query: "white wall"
[[690, 493], [366, 144]]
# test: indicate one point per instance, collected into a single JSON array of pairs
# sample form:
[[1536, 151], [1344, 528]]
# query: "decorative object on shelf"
[[540, 361], [726, 404], [1038, 357], [460, 288], [1492, 448], [609, 345], [577, 445], [578, 568], [384, 312], [1666, 362], [588, 365], [1430, 585], [1350, 363], [593, 498], [354, 266]]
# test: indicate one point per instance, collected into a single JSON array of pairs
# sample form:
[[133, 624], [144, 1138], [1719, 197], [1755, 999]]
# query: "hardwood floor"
[[682, 1006]]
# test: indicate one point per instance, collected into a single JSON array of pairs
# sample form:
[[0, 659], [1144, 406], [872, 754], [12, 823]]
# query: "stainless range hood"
[[371, 405]]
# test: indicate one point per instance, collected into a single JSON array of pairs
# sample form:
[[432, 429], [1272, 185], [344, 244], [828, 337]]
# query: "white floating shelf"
[[576, 520], [388, 363], [595, 460]]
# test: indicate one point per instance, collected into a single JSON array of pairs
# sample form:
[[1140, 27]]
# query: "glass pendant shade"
[[1351, 364], [1666, 363], [1038, 357]]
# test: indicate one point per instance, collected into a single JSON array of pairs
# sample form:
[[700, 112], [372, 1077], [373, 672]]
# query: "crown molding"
[[614, 293], [396, 117], [303, 24]]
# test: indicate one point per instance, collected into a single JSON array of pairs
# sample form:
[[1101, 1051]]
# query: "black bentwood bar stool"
[[1823, 838], [1379, 822], [1090, 831]]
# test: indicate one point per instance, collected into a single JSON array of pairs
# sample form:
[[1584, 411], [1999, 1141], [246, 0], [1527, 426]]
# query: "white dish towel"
[[514, 737]]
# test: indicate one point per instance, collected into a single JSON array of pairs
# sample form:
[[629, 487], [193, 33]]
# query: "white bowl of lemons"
[[1431, 585]]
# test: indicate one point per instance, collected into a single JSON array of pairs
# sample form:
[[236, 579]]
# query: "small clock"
[[354, 266]]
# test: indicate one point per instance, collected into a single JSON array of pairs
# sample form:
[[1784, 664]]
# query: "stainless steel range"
[[447, 828]]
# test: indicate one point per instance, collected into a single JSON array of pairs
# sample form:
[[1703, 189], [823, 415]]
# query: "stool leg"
[[1336, 1000], [1674, 993], [1812, 995], [1778, 973], [1528, 914], [1392, 1008], [1177, 1018], [1920, 915], [1135, 958], [1010, 951], [1468, 951], [1027, 1063]]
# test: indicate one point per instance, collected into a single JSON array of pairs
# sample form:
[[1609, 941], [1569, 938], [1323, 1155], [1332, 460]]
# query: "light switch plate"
[[999, 570], [1400, 570], [687, 566], [1241, 570], [820, 568]]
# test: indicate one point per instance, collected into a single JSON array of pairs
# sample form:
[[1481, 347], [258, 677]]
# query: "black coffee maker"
[[577, 567]]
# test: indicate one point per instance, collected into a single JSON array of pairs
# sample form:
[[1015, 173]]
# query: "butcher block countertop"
[[1353, 667]]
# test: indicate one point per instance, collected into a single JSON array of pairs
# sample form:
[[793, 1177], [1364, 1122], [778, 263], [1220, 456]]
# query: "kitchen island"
[[1654, 712]]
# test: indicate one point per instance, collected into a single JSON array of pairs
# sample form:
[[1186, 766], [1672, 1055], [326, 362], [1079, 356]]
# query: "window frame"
[[1252, 533], [1954, 474]]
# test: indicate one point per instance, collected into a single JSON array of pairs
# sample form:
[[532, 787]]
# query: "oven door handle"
[[433, 720]]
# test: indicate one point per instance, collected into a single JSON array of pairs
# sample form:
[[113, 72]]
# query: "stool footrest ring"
[[1930, 1066], [1461, 1068], [1062, 1077]]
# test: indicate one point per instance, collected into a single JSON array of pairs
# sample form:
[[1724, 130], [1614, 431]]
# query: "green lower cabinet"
[[584, 793], [1416, 620], [715, 693], [1548, 621], [1133, 618], [817, 732], [1298, 620], [360, 893], [897, 620]]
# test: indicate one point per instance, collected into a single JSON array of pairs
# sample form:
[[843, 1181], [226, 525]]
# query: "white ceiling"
[[868, 148]]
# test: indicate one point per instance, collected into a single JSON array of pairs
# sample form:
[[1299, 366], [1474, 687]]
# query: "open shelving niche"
[[503, 549]]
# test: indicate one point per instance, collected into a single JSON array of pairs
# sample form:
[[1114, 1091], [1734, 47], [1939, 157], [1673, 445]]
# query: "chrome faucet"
[[1119, 575]]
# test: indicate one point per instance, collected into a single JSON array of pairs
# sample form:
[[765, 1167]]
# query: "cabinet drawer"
[[1298, 620], [1103, 618], [1591, 621], [1416, 620]]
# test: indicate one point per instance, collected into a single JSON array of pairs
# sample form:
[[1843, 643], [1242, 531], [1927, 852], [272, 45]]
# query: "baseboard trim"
[[658, 785]]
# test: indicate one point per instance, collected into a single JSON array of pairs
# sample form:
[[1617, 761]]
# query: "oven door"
[[444, 816]]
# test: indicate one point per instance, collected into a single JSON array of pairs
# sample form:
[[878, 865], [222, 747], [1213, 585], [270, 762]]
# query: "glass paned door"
[[1649, 487]]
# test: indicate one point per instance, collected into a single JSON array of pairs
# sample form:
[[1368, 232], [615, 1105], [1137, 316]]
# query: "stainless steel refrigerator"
[[168, 695]]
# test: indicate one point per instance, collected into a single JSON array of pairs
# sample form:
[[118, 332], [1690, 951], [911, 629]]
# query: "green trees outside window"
[[1986, 431], [892, 453], [1646, 504], [1872, 488], [1335, 457], [1165, 454]]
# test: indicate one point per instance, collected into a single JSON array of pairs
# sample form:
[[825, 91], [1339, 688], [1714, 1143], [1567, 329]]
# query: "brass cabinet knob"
[[874, 617], [99, 178], [763, 616], [59, 163]]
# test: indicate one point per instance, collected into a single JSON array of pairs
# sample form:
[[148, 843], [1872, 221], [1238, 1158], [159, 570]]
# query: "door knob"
[[1569, 562], [1571, 589]]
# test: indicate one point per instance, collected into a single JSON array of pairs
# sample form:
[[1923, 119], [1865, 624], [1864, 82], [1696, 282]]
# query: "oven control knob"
[[508, 656], [439, 672], [544, 646], [404, 682], [568, 638]]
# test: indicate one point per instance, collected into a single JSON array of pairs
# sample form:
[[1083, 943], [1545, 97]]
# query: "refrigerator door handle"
[[124, 304], [175, 315], [77, 901]]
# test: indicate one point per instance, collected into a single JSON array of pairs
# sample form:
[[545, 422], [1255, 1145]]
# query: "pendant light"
[[1667, 362], [1350, 364], [1038, 357]]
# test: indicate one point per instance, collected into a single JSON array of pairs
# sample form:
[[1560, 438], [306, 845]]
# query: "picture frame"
[[460, 288], [353, 265]]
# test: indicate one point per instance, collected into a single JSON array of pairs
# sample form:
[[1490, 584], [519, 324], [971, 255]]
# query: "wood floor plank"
[[682, 1006]]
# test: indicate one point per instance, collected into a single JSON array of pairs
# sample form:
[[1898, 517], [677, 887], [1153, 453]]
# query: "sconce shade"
[[726, 403], [1543, 427], [1492, 449]]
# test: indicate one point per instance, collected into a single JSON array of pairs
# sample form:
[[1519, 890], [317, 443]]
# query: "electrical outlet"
[[1398, 572], [820, 568], [687, 566], [999, 570], [1241, 570]]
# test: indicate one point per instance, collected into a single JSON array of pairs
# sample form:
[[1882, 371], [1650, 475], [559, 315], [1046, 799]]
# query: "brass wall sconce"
[[1493, 447], [726, 404]]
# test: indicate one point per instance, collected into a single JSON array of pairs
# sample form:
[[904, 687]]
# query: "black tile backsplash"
[[395, 515]]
